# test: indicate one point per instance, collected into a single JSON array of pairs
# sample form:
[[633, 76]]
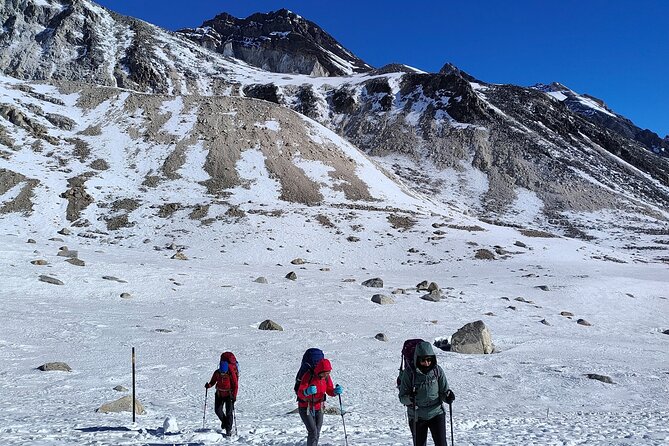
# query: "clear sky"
[[616, 50]]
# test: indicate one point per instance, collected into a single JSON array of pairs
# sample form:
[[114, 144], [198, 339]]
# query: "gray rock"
[[583, 322], [382, 299], [31, 241], [39, 262], [114, 279], [399, 291], [123, 404], [381, 337], [422, 286], [566, 314], [297, 261], [544, 321], [433, 287], [602, 378], [432, 296], [120, 388], [125, 296], [376, 282], [64, 231], [520, 244], [67, 253], [666, 332], [270, 325], [291, 276], [542, 287], [473, 338], [260, 280], [51, 280], [76, 262], [54, 366], [179, 256]]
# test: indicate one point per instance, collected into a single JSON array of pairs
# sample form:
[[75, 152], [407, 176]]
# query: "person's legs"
[[229, 412], [218, 408], [313, 424], [420, 436], [437, 427]]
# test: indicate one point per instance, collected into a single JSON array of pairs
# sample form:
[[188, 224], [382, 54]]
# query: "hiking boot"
[[228, 433]]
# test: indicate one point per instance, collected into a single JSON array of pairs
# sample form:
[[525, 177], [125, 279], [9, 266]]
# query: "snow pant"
[[313, 422], [224, 408], [437, 426]]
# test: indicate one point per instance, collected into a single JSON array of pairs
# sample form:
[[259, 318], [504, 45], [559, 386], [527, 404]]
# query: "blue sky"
[[616, 50]]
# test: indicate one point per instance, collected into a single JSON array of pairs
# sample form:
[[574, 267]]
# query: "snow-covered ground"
[[182, 314]]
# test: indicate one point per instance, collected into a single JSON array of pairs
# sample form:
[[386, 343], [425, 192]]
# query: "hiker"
[[311, 398], [226, 381], [423, 391]]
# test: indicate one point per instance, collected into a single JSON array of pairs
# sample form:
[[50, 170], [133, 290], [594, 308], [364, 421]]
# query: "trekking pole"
[[341, 409], [234, 418], [450, 410], [204, 414], [415, 419]]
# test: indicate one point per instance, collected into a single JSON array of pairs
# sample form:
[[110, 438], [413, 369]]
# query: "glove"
[[450, 396], [310, 390], [338, 390], [206, 385]]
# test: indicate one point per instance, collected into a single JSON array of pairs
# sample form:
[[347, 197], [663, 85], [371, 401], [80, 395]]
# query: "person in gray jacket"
[[423, 391]]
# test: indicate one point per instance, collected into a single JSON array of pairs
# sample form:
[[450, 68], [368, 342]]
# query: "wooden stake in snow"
[[133, 384]]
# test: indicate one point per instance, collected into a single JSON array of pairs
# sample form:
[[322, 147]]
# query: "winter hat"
[[323, 366]]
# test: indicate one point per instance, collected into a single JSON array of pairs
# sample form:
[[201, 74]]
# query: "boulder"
[[602, 378], [54, 366], [270, 325], [473, 338], [123, 404], [583, 322], [432, 296], [297, 261], [76, 262], [376, 282], [382, 299], [381, 337], [260, 279], [291, 276], [51, 280]]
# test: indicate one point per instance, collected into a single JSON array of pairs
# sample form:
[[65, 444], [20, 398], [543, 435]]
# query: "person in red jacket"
[[311, 398], [226, 382]]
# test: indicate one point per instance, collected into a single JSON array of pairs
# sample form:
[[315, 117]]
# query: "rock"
[[115, 279], [376, 282], [64, 231], [260, 280], [125, 296], [179, 256], [381, 337], [666, 332], [544, 321], [291, 276], [39, 262], [120, 388], [64, 252], [297, 261], [51, 280], [270, 325], [566, 314], [348, 280], [31, 241], [382, 299], [399, 291], [583, 322], [76, 262], [542, 287], [520, 244], [54, 366], [473, 338], [170, 426], [422, 286], [432, 287], [443, 344], [122, 405], [602, 378], [484, 254], [432, 296]]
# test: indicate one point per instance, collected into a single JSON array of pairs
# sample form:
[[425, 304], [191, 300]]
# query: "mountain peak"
[[279, 41]]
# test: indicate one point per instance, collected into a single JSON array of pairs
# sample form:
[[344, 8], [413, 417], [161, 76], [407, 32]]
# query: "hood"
[[424, 349], [323, 366]]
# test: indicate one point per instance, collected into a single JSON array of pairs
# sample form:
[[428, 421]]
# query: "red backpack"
[[227, 373]]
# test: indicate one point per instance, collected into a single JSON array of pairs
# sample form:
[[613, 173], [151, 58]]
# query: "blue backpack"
[[309, 360]]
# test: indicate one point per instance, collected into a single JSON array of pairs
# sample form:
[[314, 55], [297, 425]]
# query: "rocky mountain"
[[280, 41], [443, 142], [596, 111]]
